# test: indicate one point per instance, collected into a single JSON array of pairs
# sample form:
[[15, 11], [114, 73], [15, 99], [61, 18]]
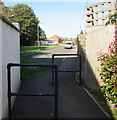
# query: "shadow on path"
[[73, 101]]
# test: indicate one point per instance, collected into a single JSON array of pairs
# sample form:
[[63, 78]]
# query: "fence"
[[97, 13]]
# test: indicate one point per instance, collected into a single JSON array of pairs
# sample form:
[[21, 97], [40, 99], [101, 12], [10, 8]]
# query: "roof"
[[55, 36]]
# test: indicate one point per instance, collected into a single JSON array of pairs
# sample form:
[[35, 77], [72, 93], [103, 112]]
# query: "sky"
[[65, 19]]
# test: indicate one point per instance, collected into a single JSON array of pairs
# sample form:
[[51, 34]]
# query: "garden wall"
[[97, 38], [9, 53]]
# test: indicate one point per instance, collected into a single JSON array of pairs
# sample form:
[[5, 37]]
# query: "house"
[[56, 39]]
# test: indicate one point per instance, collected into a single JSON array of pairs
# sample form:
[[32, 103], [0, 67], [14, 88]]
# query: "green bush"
[[108, 72]]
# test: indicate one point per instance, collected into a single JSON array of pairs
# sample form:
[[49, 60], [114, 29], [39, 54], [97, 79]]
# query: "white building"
[[9, 53]]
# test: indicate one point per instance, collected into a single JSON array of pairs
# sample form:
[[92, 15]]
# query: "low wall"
[[9, 52]]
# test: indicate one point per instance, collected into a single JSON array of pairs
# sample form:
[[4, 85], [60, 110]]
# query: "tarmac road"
[[46, 55]]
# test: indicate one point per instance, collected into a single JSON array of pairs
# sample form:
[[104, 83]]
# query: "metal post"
[[9, 91], [52, 71], [38, 30], [80, 70], [56, 93], [78, 46]]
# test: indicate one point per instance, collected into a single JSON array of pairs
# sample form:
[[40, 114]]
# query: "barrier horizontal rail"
[[32, 94], [53, 61], [67, 71], [26, 65], [65, 54], [10, 94]]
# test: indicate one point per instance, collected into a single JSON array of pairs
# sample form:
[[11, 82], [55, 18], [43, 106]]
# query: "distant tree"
[[5, 11], [2, 8], [24, 15], [66, 39], [112, 19], [42, 35]]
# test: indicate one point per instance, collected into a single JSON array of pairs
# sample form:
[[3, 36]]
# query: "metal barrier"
[[10, 93], [53, 56]]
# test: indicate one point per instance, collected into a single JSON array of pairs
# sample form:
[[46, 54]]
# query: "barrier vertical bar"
[[52, 70], [80, 70], [9, 91], [80, 66], [56, 93]]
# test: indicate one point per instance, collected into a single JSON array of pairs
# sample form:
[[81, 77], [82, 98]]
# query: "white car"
[[51, 43], [68, 44]]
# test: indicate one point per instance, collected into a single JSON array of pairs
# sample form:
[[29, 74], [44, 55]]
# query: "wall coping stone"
[[8, 22]]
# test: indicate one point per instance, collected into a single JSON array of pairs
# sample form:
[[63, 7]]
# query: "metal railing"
[[10, 93], [79, 71]]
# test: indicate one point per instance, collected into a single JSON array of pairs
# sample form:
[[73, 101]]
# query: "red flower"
[[112, 78]]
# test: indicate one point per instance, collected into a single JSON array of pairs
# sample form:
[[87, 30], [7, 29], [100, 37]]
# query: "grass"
[[27, 72], [32, 49], [30, 72]]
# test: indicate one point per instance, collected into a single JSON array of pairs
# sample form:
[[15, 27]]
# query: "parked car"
[[46, 43], [68, 44], [50, 43], [73, 43]]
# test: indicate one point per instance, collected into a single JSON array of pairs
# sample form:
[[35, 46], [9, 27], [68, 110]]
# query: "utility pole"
[[38, 42]]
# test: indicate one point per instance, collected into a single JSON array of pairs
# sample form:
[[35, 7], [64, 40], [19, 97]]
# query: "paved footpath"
[[73, 100]]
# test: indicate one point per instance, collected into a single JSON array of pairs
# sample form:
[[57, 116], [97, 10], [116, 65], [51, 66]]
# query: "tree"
[[24, 15], [5, 11], [112, 19], [42, 35], [2, 8]]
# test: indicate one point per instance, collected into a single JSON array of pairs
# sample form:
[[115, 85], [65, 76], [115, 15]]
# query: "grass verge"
[[27, 72], [32, 49]]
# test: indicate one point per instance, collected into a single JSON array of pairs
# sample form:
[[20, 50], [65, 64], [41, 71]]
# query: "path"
[[74, 102]]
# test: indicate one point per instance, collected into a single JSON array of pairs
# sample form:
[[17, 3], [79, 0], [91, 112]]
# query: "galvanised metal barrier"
[[53, 61], [10, 93]]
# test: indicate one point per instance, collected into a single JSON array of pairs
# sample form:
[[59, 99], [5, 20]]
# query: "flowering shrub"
[[108, 72]]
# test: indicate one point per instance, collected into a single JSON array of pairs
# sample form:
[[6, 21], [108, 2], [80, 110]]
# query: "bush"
[[108, 72]]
